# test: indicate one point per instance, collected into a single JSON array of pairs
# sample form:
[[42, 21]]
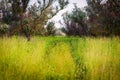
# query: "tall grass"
[[59, 58]]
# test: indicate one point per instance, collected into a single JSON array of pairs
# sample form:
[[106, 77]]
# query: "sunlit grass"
[[61, 58]]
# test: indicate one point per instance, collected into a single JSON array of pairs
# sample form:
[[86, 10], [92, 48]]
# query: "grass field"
[[59, 58]]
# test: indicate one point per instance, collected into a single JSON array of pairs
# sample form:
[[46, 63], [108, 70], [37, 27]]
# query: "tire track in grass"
[[78, 46], [59, 53]]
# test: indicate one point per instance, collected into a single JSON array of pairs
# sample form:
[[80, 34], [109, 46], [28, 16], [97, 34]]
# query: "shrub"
[[50, 28], [4, 29]]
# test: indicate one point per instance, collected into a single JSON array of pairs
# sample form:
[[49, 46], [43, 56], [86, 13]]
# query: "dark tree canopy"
[[105, 14]]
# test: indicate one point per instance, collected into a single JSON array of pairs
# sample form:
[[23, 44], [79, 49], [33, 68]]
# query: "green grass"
[[59, 58]]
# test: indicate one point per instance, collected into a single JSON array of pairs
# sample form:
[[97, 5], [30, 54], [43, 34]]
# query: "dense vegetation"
[[89, 50], [59, 58], [99, 18]]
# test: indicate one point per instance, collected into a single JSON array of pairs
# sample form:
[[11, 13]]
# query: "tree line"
[[99, 18]]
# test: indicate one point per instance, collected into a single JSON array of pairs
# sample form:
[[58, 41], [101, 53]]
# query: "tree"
[[42, 13], [19, 8], [113, 12], [36, 18], [75, 23], [104, 17]]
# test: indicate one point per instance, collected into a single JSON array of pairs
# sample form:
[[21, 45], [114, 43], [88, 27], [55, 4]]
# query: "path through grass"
[[60, 58]]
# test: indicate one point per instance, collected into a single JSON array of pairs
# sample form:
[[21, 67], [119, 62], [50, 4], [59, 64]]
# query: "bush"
[[28, 26], [4, 29], [50, 28]]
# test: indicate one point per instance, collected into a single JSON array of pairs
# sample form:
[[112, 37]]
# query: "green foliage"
[[63, 30], [38, 15], [4, 29], [28, 26], [50, 28], [77, 15], [7, 19], [63, 3], [104, 16], [75, 23]]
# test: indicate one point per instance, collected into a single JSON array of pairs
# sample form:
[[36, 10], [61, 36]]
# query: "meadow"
[[59, 58]]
